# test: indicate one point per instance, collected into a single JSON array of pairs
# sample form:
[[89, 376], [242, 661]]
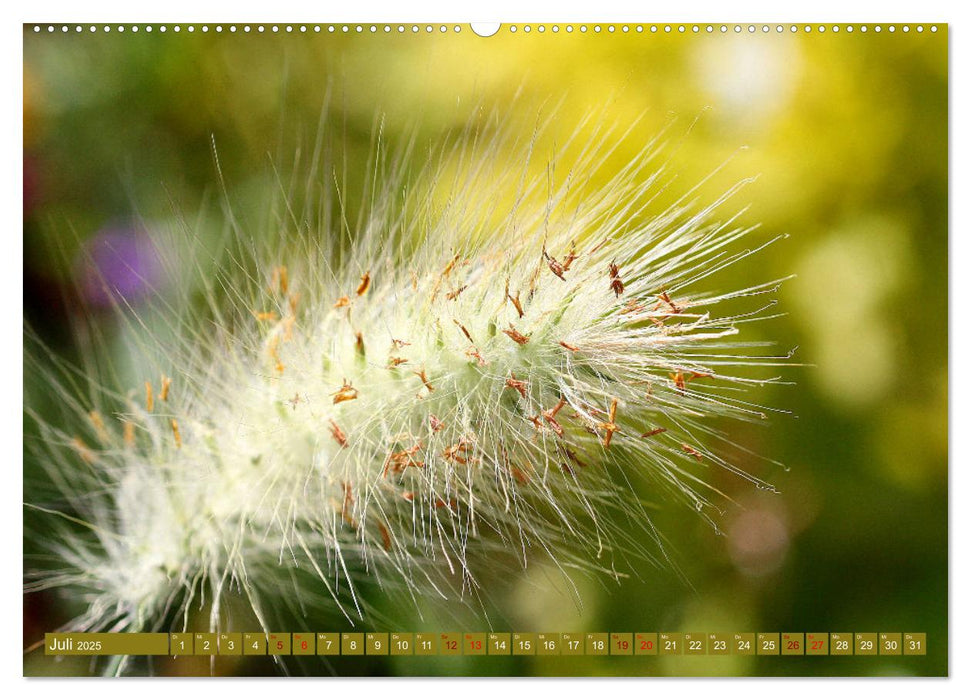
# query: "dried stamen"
[[516, 335], [345, 393]]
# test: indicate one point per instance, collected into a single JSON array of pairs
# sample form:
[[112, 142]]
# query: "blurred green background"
[[848, 133]]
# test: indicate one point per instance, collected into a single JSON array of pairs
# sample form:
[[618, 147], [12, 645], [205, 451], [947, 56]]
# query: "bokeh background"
[[848, 133]]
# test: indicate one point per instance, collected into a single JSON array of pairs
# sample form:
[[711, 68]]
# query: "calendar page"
[[513, 349]]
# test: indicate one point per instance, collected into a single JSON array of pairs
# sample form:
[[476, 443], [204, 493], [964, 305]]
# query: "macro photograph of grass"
[[560, 332]]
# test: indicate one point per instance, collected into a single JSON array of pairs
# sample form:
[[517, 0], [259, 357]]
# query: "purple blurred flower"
[[118, 264]]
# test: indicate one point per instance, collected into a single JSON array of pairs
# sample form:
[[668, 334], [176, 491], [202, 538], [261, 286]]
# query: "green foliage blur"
[[848, 134]]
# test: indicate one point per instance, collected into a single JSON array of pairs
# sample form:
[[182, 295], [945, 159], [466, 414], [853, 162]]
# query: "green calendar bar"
[[487, 644]]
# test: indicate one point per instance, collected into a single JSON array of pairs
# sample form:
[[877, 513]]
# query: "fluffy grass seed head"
[[476, 365]]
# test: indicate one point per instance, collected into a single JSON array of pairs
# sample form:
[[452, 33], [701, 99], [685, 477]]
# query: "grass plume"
[[481, 361]]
